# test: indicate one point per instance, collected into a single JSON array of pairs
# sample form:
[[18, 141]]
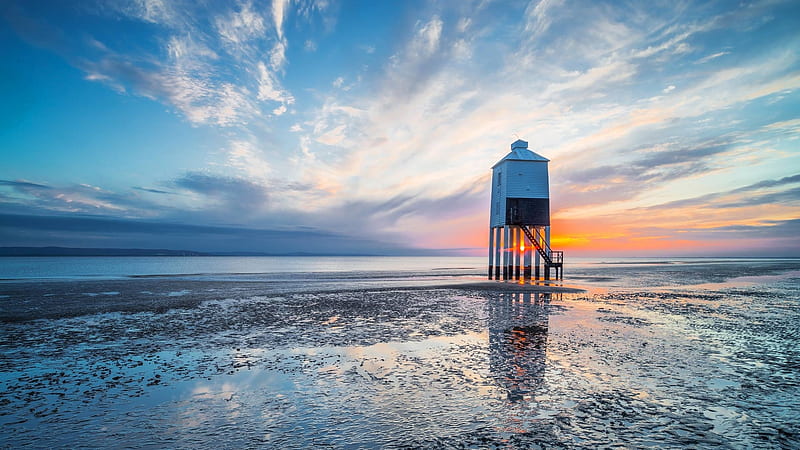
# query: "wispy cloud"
[[426, 41], [245, 156], [643, 109], [162, 12], [237, 28], [74, 198], [197, 70], [200, 99], [228, 194], [750, 194], [269, 88], [152, 190], [22, 185], [537, 16], [279, 9], [708, 58]]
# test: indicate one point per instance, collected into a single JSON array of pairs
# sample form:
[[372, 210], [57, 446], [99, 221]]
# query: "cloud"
[[278, 14], [152, 190], [75, 198], [565, 91], [752, 194], [100, 231], [334, 137], [775, 230], [708, 58], [642, 170], [22, 185], [637, 106], [277, 57], [196, 94], [389, 219], [426, 41], [423, 55], [672, 42], [608, 72], [269, 89], [789, 196], [235, 194], [208, 74], [186, 51], [537, 16], [239, 27], [245, 156], [770, 183], [165, 13]]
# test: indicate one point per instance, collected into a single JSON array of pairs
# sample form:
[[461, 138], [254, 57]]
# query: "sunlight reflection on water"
[[390, 389], [242, 365]]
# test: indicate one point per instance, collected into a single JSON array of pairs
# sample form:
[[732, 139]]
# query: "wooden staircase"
[[552, 259]]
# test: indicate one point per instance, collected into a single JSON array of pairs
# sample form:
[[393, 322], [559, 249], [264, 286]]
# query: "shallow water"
[[653, 355]]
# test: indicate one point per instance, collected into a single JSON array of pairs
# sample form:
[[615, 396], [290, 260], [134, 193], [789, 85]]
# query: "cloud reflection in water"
[[518, 342]]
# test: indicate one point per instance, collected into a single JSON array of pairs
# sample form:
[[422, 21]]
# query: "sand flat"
[[412, 364]]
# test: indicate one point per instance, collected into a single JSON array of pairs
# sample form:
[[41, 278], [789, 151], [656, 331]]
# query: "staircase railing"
[[551, 258]]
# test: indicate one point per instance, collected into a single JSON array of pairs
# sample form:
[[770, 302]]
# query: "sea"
[[397, 352]]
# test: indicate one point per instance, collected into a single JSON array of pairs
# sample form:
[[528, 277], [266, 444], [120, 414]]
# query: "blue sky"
[[370, 127]]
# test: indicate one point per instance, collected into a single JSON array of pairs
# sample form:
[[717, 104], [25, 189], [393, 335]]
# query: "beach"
[[630, 353]]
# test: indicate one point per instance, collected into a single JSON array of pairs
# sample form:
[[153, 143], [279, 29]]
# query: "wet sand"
[[185, 364]]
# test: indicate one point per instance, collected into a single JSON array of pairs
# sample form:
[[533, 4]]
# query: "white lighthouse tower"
[[520, 217]]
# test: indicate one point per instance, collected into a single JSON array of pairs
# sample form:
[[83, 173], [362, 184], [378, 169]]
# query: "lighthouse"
[[519, 224]]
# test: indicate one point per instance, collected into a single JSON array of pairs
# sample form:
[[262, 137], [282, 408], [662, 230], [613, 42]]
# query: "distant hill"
[[68, 251]]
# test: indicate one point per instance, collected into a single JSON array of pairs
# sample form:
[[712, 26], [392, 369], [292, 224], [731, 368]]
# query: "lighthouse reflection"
[[518, 342]]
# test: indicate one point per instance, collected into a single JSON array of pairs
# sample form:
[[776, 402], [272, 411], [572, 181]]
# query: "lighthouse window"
[[499, 178]]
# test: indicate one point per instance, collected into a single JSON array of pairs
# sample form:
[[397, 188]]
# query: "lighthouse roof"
[[520, 152]]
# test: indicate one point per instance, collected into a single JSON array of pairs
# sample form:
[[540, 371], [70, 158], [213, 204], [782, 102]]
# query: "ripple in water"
[[238, 366]]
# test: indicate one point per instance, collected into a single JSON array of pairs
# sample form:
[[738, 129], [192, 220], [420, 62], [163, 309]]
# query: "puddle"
[[401, 367]]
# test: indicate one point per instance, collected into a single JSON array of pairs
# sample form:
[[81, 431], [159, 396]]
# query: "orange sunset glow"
[[251, 131]]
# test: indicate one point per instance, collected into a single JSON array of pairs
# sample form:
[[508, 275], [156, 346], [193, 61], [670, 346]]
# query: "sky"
[[363, 127]]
